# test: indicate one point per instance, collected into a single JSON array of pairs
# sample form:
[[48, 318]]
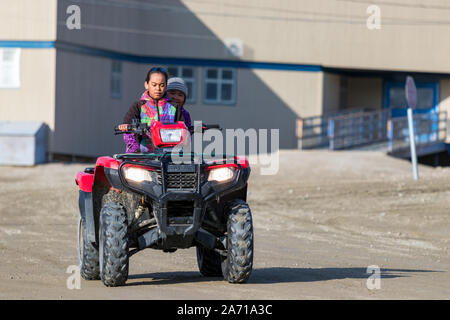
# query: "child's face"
[[177, 97], [156, 85]]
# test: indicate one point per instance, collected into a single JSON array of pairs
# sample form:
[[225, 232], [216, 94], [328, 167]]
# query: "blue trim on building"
[[27, 44], [240, 64], [96, 52]]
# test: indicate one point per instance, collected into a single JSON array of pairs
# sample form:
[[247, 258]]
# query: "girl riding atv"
[[131, 202], [145, 110]]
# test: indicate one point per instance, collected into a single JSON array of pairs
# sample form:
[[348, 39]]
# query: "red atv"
[[130, 202]]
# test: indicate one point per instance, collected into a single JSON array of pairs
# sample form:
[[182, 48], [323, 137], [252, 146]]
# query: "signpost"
[[411, 98]]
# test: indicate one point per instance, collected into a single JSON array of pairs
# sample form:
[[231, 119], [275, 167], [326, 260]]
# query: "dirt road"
[[319, 223]]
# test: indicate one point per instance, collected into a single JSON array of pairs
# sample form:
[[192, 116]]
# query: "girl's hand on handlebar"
[[123, 127]]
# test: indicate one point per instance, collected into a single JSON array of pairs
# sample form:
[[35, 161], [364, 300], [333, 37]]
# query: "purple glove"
[[131, 143]]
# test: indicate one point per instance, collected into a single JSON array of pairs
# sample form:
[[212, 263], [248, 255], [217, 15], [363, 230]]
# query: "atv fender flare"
[[100, 187], [87, 214], [92, 187]]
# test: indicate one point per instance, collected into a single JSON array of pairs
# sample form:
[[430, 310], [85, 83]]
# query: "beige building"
[[78, 65]]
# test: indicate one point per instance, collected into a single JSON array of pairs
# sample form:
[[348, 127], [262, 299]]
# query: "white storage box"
[[22, 143]]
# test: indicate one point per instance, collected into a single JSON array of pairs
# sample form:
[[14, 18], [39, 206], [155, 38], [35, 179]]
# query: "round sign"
[[411, 92]]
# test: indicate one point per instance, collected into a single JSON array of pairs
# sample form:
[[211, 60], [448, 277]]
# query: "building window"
[[219, 86], [397, 98], [188, 75], [116, 79], [427, 97], [9, 68]]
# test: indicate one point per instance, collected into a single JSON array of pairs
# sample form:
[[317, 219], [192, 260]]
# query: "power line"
[[399, 4], [143, 32], [339, 19], [133, 5], [149, 6], [273, 9]]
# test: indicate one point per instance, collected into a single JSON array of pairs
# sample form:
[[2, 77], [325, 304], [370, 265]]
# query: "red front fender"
[[86, 180], [107, 162]]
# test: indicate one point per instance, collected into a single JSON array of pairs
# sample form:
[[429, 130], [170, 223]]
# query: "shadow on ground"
[[273, 275]]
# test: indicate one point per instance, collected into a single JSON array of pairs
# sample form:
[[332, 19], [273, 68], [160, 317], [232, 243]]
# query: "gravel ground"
[[319, 224]]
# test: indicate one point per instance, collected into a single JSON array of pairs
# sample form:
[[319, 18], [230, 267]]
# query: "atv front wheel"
[[114, 245], [87, 255], [237, 266], [209, 262]]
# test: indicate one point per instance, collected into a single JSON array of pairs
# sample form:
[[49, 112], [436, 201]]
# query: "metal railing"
[[313, 132], [358, 129], [429, 129]]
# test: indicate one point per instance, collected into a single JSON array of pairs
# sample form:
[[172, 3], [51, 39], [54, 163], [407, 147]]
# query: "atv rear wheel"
[[237, 266], [209, 262], [87, 255], [114, 245]]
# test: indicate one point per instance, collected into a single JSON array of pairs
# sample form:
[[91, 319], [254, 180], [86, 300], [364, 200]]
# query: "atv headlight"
[[137, 175], [171, 135], [222, 174]]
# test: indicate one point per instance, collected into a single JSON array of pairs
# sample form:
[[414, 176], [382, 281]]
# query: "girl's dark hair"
[[156, 70]]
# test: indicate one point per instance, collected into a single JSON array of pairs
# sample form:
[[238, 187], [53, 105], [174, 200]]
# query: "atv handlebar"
[[204, 128], [211, 126], [141, 128]]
